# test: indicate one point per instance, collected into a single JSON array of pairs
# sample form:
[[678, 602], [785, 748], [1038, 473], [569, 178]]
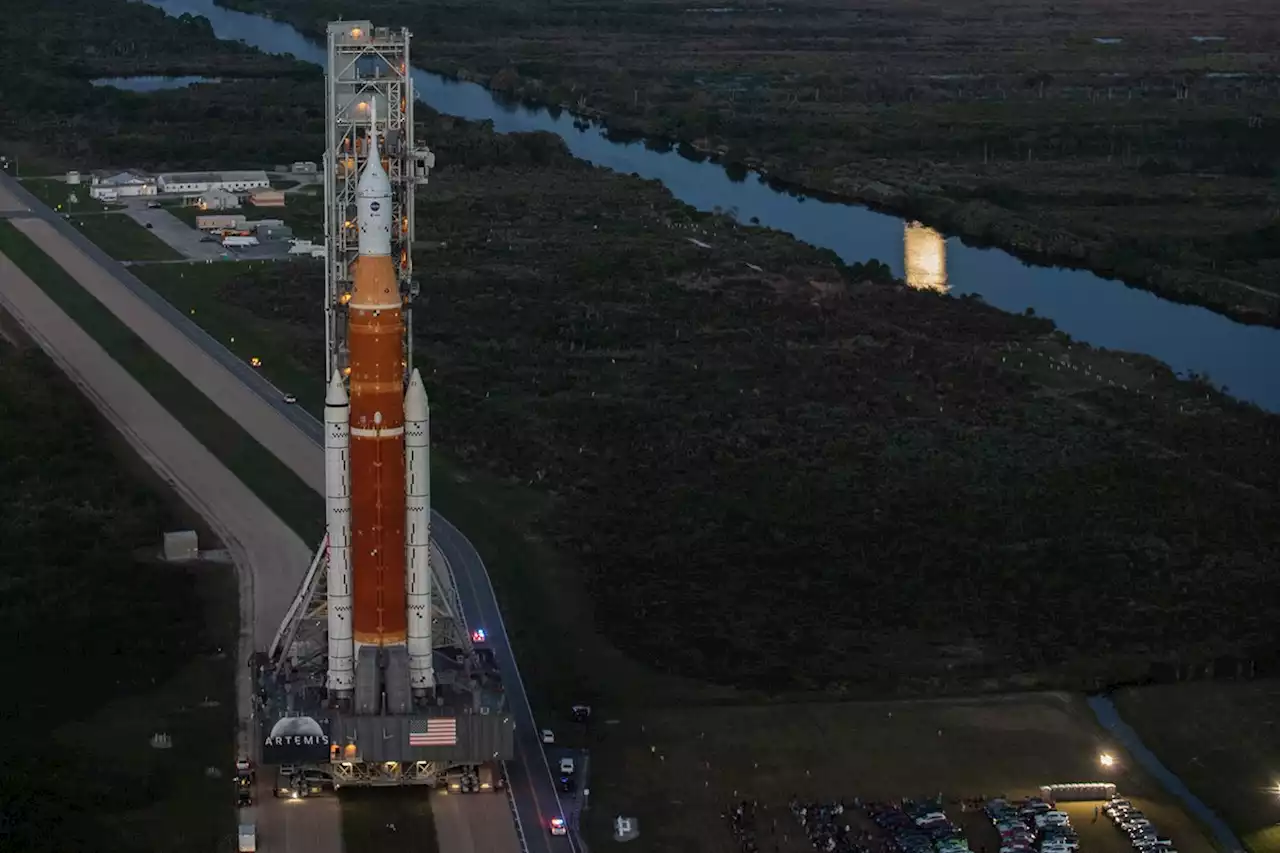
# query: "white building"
[[103, 193], [218, 199], [304, 167], [73, 177], [202, 182], [125, 184]]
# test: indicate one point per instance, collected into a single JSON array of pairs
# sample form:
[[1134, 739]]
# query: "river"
[[1099, 311], [149, 83]]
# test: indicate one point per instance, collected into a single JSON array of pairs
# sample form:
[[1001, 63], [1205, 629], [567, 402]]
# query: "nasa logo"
[[374, 206]]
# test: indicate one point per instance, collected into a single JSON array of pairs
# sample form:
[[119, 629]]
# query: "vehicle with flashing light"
[[478, 635], [558, 826]]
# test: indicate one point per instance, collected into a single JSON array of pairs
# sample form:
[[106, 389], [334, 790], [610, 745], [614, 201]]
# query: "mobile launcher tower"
[[373, 678]]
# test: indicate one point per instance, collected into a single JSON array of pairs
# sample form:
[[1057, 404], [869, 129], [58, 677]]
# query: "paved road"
[[257, 539], [269, 555], [532, 783], [180, 236]]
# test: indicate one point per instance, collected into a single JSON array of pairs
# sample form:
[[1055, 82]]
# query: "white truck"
[[229, 242], [248, 838]]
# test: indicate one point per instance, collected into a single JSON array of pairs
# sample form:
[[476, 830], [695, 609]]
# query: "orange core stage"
[[376, 337]]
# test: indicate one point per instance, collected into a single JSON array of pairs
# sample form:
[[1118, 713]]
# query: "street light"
[[1106, 759]]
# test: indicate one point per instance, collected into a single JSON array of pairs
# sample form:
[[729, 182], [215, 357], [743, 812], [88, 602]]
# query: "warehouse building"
[[218, 200], [203, 182], [113, 185], [267, 198], [220, 220]]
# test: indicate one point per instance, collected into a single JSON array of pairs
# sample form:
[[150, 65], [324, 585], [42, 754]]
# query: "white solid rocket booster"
[[417, 528], [337, 504]]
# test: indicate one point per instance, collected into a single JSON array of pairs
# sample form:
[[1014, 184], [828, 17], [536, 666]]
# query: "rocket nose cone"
[[415, 398], [337, 394]]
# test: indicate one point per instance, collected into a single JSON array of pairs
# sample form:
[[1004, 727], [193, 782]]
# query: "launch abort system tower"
[[373, 678]]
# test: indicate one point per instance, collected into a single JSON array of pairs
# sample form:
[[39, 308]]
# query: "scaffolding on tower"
[[354, 710], [369, 74]]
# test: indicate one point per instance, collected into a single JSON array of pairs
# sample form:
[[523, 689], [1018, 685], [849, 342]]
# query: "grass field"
[[278, 487], [1223, 740], [54, 193], [142, 647], [172, 803], [676, 769], [547, 612], [124, 239]]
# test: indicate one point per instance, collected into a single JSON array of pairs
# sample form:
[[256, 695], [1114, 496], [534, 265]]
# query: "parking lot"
[[677, 770], [941, 825], [190, 242]]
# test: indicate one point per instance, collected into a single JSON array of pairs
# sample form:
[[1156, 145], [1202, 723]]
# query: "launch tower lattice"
[[369, 95], [368, 66]]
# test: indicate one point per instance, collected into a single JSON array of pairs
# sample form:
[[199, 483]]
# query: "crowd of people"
[[744, 823], [831, 827]]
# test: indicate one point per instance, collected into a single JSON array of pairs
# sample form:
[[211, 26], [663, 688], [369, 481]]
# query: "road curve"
[[532, 784]]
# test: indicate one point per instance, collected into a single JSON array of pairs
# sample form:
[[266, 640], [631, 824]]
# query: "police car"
[[558, 827]]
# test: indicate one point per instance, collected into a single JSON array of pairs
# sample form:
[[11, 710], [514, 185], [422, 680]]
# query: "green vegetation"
[[750, 467], [705, 758], [279, 488], [124, 239], [55, 194], [55, 120], [111, 645], [1219, 738], [827, 434], [1155, 159]]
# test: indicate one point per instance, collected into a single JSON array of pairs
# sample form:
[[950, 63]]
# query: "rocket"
[[377, 468]]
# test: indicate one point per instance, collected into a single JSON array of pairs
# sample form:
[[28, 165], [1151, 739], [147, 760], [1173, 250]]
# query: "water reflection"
[[151, 83], [1095, 310], [924, 256]]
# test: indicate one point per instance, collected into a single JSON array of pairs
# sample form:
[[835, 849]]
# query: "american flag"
[[437, 731]]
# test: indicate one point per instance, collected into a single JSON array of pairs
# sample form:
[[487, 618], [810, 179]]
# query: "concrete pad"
[[271, 429], [9, 203], [181, 237], [474, 823], [300, 826]]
